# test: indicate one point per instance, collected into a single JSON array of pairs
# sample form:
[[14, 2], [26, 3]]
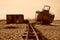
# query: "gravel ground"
[[51, 32], [12, 34]]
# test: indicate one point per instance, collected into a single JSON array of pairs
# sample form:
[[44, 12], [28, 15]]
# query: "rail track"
[[31, 33]]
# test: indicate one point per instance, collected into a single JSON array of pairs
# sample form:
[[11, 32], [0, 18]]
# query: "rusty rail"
[[32, 33]]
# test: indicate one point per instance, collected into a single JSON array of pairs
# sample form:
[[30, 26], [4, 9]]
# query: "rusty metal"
[[15, 18], [33, 34], [44, 16]]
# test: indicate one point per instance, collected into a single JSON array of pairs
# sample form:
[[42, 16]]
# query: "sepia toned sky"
[[28, 7]]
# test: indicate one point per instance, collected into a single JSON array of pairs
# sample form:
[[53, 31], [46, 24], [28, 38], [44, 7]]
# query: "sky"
[[28, 7]]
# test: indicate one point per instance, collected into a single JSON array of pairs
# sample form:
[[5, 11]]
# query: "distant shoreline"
[[24, 19]]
